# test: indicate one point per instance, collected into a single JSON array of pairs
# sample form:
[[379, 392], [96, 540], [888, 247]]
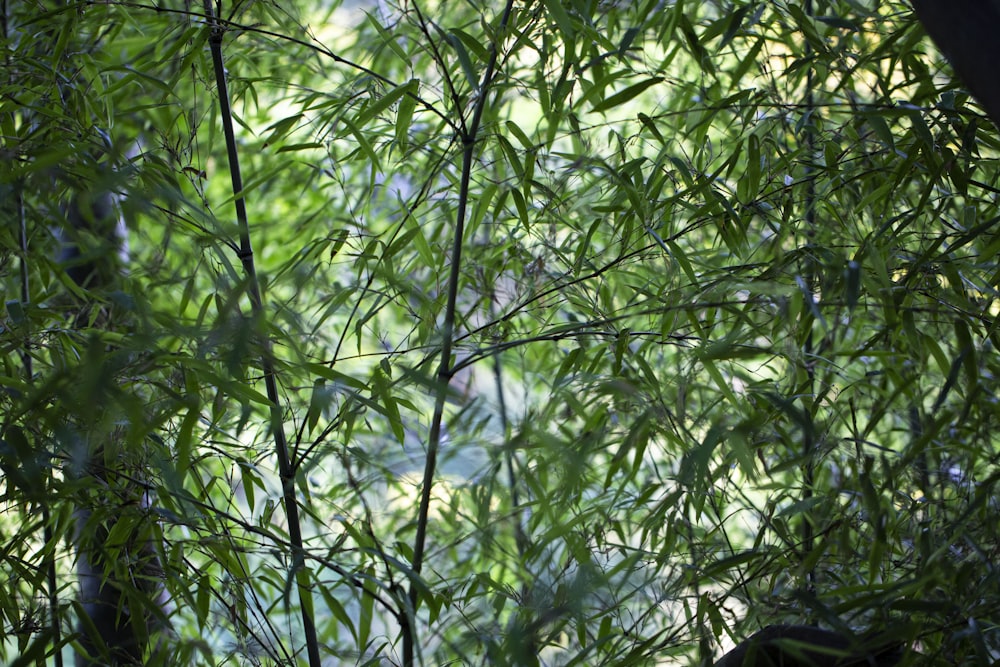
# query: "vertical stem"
[[808, 444], [286, 470], [444, 372], [29, 372], [51, 583]]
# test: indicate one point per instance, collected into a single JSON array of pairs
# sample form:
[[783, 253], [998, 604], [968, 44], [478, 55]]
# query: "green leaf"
[[840, 22], [510, 153], [555, 9], [281, 128], [318, 401], [404, 115], [473, 44], [338, 611], [852, 283], [185, 439], [521, 206], [364, 144], [520, 135], [367, 615], [382, 392], [373, 109], [625, 95], [650, 125], [387, 38], [464, 61]]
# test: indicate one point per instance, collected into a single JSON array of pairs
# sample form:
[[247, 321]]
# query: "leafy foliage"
[[602, 331]]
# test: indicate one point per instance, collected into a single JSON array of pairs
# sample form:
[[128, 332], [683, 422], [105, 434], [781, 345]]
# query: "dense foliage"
[[573, 331]]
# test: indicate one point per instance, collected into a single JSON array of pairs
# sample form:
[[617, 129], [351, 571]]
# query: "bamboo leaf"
[[629, 93], [381, 104], [555, 9], [404, 115]]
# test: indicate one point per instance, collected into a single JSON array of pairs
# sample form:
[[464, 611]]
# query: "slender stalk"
[[29, 372], [51, 583], [286, 470], [808, 444], [445, 370]]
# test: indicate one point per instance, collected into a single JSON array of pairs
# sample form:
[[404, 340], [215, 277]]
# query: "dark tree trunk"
[[968, 33], [123, 602], [806, 646]]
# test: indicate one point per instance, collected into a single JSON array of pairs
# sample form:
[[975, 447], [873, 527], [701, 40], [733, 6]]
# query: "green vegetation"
[[574, 332]]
